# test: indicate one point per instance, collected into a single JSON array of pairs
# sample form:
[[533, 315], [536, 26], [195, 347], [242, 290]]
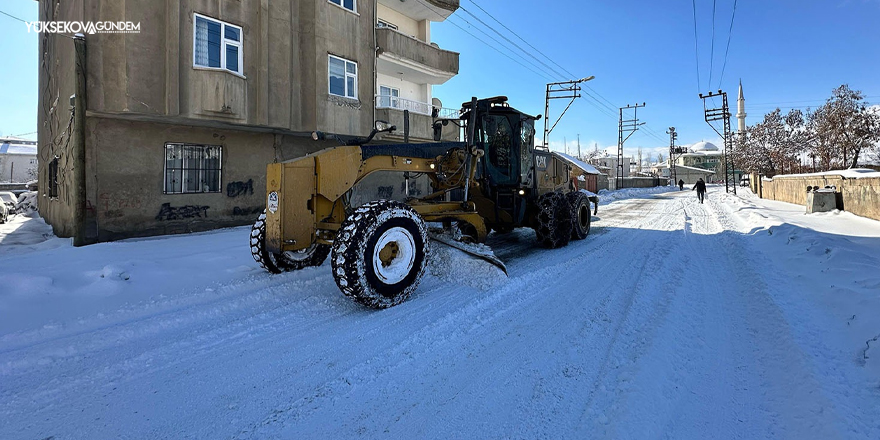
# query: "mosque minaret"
[[741, 110]]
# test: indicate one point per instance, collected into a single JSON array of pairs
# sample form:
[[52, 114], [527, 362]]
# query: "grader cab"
[[496, 180]]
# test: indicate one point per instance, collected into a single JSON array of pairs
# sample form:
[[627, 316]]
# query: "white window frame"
[[341, 4], [354, 75], [383, 24], [393, 100], [224, 42]]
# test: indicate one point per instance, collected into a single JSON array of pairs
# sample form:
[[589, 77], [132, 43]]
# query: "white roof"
[[585, 167], [703, 146], [22, 149], [702, 170]]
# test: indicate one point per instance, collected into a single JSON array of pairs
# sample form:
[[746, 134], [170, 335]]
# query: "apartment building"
[[169, 128]]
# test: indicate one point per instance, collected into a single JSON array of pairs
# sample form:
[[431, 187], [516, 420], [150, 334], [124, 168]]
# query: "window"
[[53, 178], [388, 97], [217, 45], [351, 5], [192, 168], [343, 77], [384, 24]]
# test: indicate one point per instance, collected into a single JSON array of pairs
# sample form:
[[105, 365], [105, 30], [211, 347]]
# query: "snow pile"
[[457, 267], [851, 173], [27, 204], [607, 196]]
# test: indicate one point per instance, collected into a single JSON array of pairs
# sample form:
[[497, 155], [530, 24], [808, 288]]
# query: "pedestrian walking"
[[700, 186], [680, 185]]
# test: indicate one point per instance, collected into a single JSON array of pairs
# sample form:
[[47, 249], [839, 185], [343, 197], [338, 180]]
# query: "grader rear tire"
[[380, 253], [313, 255], [580, 215], [554, 220]]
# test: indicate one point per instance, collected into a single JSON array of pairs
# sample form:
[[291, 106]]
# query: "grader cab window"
[[527, 144], [497, 137]]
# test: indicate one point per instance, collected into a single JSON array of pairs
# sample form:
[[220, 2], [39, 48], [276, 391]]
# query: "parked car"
[[7, 205]]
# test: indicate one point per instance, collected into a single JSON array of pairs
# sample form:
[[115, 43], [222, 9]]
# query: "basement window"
[[53, 178], [217, 45], [343, 77], [192, 168], [351, 5]]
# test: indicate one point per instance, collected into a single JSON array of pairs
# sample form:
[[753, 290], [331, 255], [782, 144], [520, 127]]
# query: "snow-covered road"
[[738, 318]]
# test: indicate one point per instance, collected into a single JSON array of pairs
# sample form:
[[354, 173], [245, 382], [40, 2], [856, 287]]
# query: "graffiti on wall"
[[254, 210], [414, 190], [235, 189], [109, 203], [189, 211], [385, 192]]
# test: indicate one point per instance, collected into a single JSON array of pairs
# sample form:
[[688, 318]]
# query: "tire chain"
[[278, 263], [548, 232], [348, 265]]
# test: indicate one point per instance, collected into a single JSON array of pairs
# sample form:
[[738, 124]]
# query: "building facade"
[[18, 160], [169, 129]]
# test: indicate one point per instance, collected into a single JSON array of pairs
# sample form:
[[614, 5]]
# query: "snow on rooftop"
[[15, 148], [585, 167]]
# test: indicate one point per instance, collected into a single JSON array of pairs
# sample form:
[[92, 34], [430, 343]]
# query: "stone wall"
[[860, 196]]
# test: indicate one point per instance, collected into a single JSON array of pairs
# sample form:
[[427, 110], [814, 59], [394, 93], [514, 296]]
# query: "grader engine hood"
[[299, 192]]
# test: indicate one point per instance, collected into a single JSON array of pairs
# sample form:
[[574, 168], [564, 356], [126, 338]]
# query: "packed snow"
[[736, 318]]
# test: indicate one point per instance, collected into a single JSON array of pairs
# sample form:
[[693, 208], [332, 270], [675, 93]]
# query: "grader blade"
[[482, 252]]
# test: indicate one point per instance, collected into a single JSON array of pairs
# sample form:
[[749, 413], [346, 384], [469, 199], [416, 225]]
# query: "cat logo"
[[541, 162]]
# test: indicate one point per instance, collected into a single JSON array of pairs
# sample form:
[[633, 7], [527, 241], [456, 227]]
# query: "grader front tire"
[[276, 263], [380, 253]]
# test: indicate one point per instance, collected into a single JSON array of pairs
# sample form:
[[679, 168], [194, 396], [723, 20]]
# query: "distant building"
[[703, 156], [18, 160], [608, 165]]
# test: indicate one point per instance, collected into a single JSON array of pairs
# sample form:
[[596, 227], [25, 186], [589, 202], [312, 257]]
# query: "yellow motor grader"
[[496, 180]]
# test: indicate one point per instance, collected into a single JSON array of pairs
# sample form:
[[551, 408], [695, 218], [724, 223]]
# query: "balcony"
[[418, 61], [421, 119], [433, 10]]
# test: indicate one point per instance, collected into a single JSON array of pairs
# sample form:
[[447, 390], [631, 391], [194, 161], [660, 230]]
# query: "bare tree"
[[849, 124]]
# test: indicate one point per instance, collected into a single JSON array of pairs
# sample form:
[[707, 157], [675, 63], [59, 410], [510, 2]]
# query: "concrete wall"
[[54, 116], [410, 48], [285, 63], [17, 168], [860, 196], [125, 171]]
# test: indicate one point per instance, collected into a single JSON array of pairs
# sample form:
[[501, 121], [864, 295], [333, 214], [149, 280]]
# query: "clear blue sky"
[[789, 53]]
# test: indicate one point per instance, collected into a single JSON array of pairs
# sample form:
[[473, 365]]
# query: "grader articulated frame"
[[496, 180]]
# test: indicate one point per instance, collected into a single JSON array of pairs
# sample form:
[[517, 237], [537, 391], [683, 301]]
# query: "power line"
[[729, 35], [521, 38], [12, 16], [495, 49], [510, 41], [712, 52], [697, 48]]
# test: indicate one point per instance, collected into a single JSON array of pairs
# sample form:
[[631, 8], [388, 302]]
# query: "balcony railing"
[[422, 108]]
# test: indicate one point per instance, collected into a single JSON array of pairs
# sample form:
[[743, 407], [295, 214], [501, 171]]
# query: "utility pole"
[[579, 148], [565, 144], [629, 126], [560, 90], [722, 114], [672, 150]]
